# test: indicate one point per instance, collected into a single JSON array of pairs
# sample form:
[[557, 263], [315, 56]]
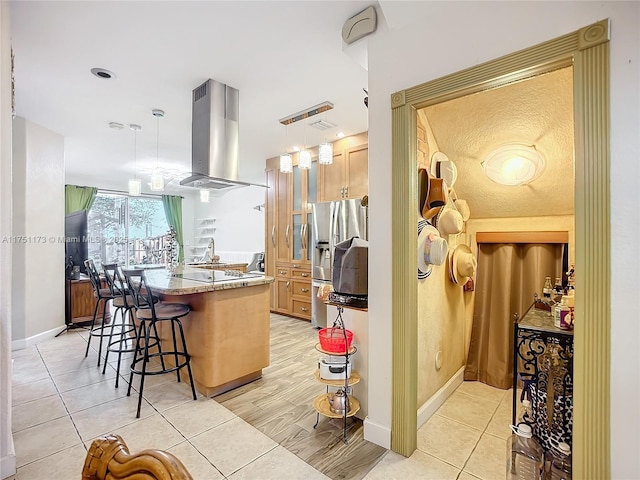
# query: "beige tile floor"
[[62, 401]]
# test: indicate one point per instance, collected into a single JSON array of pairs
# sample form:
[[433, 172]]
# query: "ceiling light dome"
[[514, 164]]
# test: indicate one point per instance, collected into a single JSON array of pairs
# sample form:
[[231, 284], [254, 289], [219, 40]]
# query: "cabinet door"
[[283, 288], [283, 220], [270, 232], [357, 163], [331, 178]]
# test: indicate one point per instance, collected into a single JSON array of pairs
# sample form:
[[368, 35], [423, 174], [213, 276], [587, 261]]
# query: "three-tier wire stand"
[[321, 402]]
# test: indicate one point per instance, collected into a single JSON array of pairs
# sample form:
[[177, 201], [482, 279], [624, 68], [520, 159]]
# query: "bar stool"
[[123, 303], [101, 295], [150, 313]]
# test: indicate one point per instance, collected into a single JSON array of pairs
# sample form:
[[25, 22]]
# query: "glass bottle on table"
[[560, 462], [547, 289]]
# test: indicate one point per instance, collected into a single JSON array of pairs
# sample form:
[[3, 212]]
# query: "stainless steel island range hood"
[[214, 138]]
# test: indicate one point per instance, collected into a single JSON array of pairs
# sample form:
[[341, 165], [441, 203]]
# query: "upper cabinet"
[[348, 175]]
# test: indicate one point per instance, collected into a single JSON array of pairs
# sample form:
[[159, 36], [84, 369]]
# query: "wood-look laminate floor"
[[280, 405]]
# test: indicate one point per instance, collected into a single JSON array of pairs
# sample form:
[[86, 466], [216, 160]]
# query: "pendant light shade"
[[325, 153], [135, 185], [204, 195], [304, 161], [157, 180], [286, 163]]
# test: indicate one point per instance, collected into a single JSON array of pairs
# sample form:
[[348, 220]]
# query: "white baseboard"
[[34, 339], [437, 399], [7, 466], [377, 434]]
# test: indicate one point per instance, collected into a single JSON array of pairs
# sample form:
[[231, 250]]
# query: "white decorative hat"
[[442, 167], [449, 221], [432, 248], [463, 207], [462, 264]]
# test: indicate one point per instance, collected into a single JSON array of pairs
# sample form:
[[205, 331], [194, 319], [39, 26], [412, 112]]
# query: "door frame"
[[587, 50]]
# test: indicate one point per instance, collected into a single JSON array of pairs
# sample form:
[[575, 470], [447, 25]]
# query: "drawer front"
[[301, 309], [302, 289], [300, 273], [282, 272]]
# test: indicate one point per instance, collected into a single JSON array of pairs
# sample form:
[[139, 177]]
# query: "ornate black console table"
[[543, 361]]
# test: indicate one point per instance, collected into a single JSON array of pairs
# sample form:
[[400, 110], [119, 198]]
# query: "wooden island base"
[[227, 334]]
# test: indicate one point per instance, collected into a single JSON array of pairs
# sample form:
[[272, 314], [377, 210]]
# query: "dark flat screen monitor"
[[76, 238]]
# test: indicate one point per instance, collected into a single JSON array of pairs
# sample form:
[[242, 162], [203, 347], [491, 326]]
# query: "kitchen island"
[[227, 330]]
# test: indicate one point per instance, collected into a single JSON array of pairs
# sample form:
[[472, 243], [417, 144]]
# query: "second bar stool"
[[149, 314]]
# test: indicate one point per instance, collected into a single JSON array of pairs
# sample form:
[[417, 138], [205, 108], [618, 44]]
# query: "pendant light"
[[325, 150], [286, 162], [325, 153], [157, 180], [304, 161], [304, 158], [135, 185]]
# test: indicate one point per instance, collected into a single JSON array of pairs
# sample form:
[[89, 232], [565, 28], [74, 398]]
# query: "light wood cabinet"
[[348, 175], [287, 236]]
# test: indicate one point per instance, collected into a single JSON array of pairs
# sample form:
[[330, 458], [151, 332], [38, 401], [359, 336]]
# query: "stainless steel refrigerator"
[[331, 223]]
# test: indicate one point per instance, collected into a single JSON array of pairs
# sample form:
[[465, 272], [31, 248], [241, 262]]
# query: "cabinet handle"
[[305, 238], [304, 290], [304, 309], [283, 272], [273, 235], [288, 285], [295, 265], [304, 274], [286, 235]]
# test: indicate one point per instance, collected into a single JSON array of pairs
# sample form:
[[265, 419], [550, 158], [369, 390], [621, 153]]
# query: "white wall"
[[439, 38], [7, 451], [38, 225], [239, 227]]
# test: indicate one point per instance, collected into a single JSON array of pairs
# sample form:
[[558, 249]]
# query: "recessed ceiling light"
[[340, 134], [116, 125], [103, 73]]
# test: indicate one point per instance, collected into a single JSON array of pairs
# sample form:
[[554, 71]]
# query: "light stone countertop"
[[187, 280]]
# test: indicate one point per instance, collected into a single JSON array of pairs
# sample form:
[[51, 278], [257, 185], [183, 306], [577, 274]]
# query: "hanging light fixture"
[[157, 180], [204, 195], [304, 160], [325, 153], [286, 163], [304, 157], [135, 185], [514, 164]]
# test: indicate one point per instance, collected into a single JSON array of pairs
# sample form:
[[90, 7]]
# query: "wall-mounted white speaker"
[[359, 25]]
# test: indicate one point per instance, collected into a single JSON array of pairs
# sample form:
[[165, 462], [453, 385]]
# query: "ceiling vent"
[[322, 125]]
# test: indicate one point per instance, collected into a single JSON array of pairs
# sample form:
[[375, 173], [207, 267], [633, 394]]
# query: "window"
[[126, 230]]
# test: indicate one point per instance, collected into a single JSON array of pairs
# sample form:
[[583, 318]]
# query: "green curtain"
[[173, 211], [78, 198]]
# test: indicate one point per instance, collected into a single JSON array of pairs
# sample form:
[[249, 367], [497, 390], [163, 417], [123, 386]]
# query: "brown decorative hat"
[[423, 187], [437, 196]]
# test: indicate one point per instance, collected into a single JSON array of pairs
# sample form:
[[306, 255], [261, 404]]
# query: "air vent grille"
[[200, 92], [322, 125]]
